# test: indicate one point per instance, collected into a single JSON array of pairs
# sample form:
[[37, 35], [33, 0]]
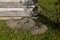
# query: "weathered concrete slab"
[[12, 9], [7, 18], [11, 5], [9, 0], [19, 13], [14, 12]]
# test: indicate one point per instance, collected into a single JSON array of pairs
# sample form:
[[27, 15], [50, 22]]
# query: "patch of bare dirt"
[[24, 23], [39, 29], [27, 23]]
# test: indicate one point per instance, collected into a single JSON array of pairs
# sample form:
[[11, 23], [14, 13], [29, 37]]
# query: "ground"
[[53, 32], [7, 33]]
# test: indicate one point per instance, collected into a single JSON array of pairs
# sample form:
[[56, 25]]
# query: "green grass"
[[49, 10], [7, 33]]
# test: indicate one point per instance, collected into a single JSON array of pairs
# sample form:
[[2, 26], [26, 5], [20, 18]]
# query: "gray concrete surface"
[[11, 5], [7, 11], [16, 13]]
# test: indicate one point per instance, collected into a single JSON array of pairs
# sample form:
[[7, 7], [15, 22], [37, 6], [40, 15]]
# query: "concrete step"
[[14, 12], [11, 5], [6, 18], [14, 5]]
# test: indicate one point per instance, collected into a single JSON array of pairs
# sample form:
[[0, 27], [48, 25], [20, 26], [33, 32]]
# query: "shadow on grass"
[[47, 21]]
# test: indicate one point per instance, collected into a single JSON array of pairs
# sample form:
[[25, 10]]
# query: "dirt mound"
[[24, 23], [27, 23], [39, 30]]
